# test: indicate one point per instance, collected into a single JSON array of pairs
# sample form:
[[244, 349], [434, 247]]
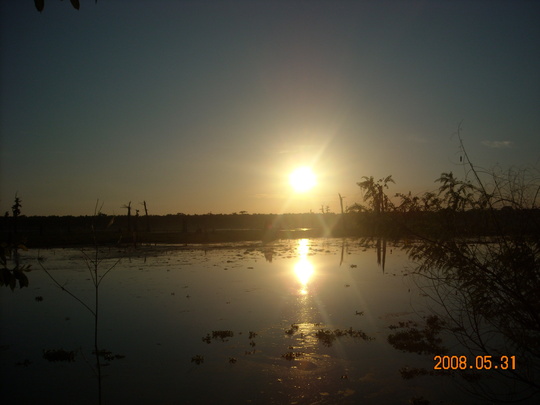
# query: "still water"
[[294, 322]]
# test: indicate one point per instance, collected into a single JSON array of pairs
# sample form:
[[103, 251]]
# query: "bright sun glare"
[[302, 179], [303, 268]]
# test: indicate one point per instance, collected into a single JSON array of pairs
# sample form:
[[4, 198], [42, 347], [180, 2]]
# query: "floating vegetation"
[[197, 359], [108, 355], [419, 341], [327, 337], [222, 334], [39, 298], [408, 373], [359, 312], [232, 360], [252, 335], [292, 355], [218, 334], [401, 324], [418, 401], [292, 330], [59, 355]]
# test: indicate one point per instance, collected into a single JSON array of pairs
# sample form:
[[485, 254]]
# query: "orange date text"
[[474, 363]]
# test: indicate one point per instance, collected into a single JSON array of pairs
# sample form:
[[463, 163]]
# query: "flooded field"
[[298, 321]]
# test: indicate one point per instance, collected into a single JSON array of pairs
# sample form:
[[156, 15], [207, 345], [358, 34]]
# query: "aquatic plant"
[[108, 355], [292, 355], [419, 341], [207, 339], [327, 336], [93, 262], [59, 355], [222, 334], [292, 329], [418, 401]]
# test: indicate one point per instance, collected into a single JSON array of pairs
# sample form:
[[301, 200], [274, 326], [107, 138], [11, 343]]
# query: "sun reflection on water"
[[303, 269]]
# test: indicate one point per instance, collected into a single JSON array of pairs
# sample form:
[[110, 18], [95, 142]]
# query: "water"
[[163, 309]]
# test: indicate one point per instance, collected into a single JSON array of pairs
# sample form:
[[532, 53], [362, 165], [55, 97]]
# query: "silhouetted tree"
[[488, 292], [356, 208], [10, 251], [374, 191], [457, 194], [16, 211]]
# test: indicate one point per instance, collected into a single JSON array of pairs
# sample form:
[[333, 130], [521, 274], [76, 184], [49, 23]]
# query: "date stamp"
[[475, 363]]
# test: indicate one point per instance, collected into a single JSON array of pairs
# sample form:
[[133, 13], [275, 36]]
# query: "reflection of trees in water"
[[489, 293], [268, 254], [379, 244], [381, 252]]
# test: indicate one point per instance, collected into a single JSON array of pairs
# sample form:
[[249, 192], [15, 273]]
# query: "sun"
[[302, 179]]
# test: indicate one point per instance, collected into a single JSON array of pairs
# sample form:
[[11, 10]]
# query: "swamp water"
[[295, 322]]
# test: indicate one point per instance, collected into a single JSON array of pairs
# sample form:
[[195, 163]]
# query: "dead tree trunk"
[[146, 217], [343, 225], [128, 207]]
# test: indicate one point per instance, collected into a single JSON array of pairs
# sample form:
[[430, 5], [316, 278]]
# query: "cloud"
[[498, 144]]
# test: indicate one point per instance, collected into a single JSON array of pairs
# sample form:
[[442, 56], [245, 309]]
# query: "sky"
[[207, 106]]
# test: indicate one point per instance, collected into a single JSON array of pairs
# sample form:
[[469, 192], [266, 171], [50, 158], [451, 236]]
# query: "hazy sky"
[[201, 107]]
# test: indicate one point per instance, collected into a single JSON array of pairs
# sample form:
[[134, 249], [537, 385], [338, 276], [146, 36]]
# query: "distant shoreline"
[[34, 240], [43, 232]]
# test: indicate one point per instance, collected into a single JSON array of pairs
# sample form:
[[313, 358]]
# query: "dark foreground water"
[[296, 322]]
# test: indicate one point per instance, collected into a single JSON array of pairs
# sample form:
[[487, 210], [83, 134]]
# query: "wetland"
[[320, 320]]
